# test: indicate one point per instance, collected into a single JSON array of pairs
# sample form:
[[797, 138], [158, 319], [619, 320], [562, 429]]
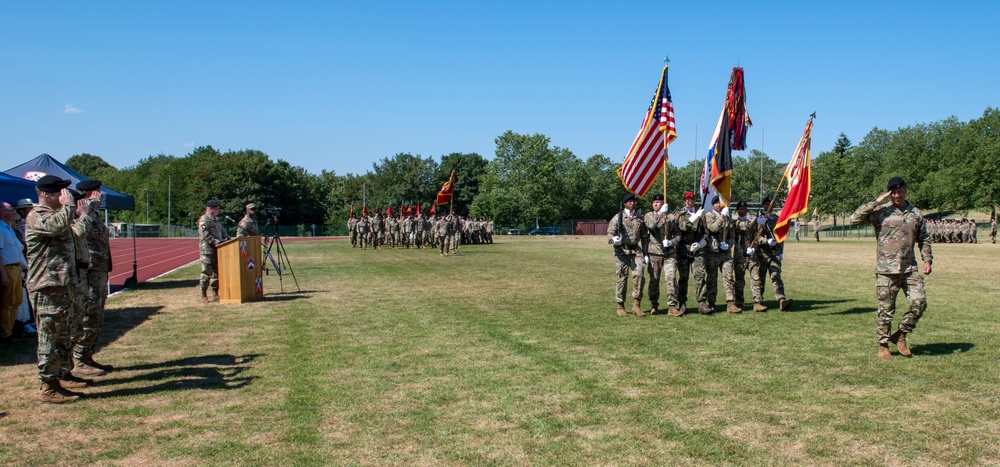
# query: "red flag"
[[388, 210], [799, 183], [433, 206], [648, 152], [448, 189], [364, 210]]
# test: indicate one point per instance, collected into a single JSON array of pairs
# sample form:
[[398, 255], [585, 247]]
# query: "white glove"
[[723, 246], [771, 242], [761, 220], [617, 240], [696, 215], [697, 246], [749, 251], [664, 209], [645, 260], [667, 244], [725, 211]]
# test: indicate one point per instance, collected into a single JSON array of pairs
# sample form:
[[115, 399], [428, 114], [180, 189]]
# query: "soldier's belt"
[[80, 265]]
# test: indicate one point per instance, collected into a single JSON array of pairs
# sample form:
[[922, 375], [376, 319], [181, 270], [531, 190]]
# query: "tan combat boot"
[[674, 311], [785, 304], [704, 309], [636, 308], [621, 309], [90, 361], [758, 306], [203, 295], [883, 352], [51, 393], [81, 368], [732, 308], [69, 381], [899, 339]]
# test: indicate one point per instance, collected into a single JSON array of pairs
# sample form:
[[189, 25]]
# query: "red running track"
[[157, 256]]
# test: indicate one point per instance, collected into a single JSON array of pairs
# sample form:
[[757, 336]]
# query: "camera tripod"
[[280, 258]]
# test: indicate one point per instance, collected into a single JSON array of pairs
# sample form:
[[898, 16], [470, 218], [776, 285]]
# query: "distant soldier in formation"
[[744, 225], [797, 227], [210, 234], [993, 230], [663, 236], [899, 226], [765, 259], [629, 244], [442, 229], [248, 226], [378, 230], [364, 233], [690, 234], [392, 231], [816, 227], [352, 229]]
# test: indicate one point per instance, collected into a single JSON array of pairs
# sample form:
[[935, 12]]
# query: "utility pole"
[[170, 193], [147, 204]]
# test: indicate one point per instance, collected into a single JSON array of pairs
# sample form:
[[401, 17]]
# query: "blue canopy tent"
[[45, 164], [13, 189]]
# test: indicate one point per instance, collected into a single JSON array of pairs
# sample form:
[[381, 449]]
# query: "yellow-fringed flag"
[[447, 190], [799, 183], [648, 152]]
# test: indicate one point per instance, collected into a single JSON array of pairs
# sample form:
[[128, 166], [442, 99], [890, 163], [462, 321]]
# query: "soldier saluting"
[[898, 227]]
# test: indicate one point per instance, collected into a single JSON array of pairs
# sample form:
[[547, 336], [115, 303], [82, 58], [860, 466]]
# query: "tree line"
[[947, 165]]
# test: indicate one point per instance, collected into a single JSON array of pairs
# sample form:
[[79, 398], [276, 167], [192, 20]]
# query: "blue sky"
[[341, 85]]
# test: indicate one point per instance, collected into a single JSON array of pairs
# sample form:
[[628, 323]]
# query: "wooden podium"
[[240, 266]]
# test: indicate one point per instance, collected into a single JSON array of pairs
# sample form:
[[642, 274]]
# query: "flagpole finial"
[[666, 59], [812, 115]]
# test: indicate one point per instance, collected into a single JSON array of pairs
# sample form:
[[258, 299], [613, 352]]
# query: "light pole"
[[145, 190]]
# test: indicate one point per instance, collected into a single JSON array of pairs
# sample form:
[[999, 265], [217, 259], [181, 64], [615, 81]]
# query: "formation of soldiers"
[[955, 231], [445, 232], [676, 245], [69, 259]]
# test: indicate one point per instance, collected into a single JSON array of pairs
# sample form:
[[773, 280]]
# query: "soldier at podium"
[[247, 226], [210, 234]]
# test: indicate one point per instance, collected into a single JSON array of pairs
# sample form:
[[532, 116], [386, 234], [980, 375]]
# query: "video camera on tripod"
[[280, 258]]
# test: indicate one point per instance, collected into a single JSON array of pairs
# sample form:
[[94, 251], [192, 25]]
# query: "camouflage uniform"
[[407, 228], [352, 231], [96, 286], [378, 231], [745, 229], [721, 230], [662, 261], [51, 283], [443, 230], [816, 226], [628, 255], [766, 259], [80, 227], [897, 230], [690, 233], [363, 232], [392, 231], [993, 231], [210, 234], [457, 227], [247, 227]]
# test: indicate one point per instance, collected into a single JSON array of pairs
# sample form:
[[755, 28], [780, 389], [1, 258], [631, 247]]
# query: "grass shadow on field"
[[119, 322], [813, 305], [942, 348], [169, 284], [219, 371], [288, 296]]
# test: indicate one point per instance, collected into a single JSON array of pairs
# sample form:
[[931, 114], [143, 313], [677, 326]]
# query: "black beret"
[[213, 203], [77, 195], [715, 200], [766, 200], [658, 197], [629, 197], [895, 182], [89, 185], [51, 184], [741, 204]]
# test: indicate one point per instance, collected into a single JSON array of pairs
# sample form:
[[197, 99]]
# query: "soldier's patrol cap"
[[629, 197], [213, 203], [715, 200], [895, 182], [251, 206], [51, 184], [89, 185], [689, 195], [741, 204], [24, 203], [658, 197]]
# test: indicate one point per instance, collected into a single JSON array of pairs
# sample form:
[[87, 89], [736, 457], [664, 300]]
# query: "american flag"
[[648, 152]]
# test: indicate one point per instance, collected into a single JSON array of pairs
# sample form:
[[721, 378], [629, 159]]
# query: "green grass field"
[[512, 354]]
